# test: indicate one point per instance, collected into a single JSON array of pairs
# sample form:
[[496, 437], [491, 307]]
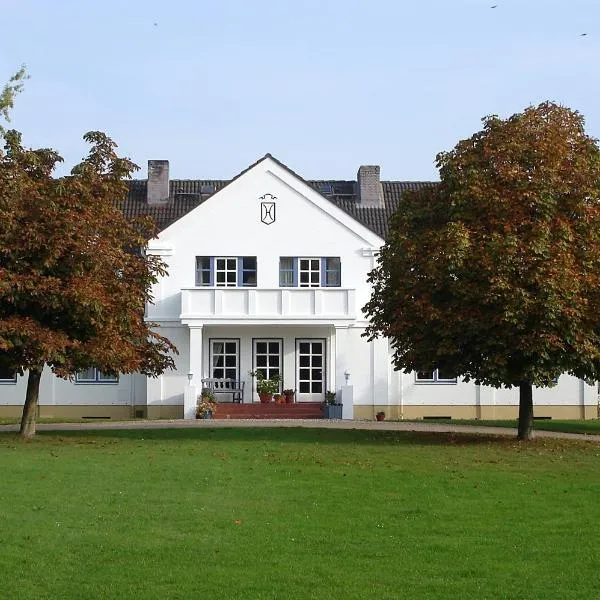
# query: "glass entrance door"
[[267, 357], [310, 370]]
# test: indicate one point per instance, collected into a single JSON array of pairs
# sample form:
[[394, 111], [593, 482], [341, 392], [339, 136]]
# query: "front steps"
[[299, 410]]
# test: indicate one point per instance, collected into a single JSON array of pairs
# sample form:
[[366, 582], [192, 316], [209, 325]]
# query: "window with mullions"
[[436, 376], [93, 375], [267, 357], [7, 376], [310, 272], [224, 359], [311, 362], [226, 271]]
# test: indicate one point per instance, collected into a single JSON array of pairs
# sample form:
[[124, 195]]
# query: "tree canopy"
[[494, 274], [8, 94], [73, 278]]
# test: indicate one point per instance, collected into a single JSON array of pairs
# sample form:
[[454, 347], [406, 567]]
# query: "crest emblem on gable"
[[267, 209]]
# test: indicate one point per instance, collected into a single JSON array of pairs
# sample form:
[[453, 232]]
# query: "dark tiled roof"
[[186, 194], [377, 219]]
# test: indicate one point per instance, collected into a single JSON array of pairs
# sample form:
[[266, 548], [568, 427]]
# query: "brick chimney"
[[158, 182], [370, 192]]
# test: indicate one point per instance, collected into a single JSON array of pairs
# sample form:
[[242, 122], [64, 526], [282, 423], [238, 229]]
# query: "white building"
[[268, 270]]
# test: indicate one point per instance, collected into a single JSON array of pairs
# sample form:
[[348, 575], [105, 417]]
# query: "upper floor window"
[[226, 271], [437, 376], [7, 376], [93, 375], [310, 272]]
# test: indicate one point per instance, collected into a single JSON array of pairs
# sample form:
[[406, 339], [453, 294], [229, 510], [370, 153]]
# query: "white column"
[[340, 343], [332, 384], [193, 383], [190, 396]]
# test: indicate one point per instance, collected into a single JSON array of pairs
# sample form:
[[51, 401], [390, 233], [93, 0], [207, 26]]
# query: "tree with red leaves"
[[73, 276]]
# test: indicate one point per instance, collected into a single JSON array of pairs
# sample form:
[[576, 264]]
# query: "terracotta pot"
[[265, 398], [380, 417]]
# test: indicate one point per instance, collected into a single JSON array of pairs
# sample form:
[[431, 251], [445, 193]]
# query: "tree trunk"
[[31, 402], [525, 411]]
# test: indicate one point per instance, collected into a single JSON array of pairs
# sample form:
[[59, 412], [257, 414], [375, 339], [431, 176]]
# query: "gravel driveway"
[[315, 423]]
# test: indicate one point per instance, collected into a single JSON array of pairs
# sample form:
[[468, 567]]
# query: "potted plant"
[[332, 408], [380, 416], [289, 396], [207, 406], [279, 398], [266, 387]]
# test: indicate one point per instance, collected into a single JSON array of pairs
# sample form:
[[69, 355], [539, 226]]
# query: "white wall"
[[228, 224], [57, 391]]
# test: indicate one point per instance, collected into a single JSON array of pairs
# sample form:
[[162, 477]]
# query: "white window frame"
[[434, 379], [224, 354], [9, 380], [268, 369], [310, 271], [97, 378], [208, 270], [226, 270], [321, 271], [310, 395]]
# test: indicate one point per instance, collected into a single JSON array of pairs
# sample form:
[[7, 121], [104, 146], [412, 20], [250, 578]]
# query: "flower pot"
[[380, 416], [265, 398], [289, 399], [333, 411], [207, 415]]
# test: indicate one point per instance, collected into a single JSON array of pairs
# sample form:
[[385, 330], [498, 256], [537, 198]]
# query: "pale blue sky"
[[324, 85]]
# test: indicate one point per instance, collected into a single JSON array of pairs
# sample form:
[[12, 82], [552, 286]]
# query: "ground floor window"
[[225, 359], [267, 357], [94, 375], [7, 376], [437, 376], [310, 372]]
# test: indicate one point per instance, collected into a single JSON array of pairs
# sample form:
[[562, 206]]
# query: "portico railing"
[[277, 304]]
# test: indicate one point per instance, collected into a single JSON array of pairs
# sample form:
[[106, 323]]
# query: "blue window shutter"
[[212, 271], [296, 271], [240, 271], [331, 271]]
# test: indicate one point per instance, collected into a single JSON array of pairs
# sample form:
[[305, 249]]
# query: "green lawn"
[[574, 426], [297, 514]]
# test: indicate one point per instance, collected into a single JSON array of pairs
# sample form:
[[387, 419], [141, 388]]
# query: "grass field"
[[297, 514]]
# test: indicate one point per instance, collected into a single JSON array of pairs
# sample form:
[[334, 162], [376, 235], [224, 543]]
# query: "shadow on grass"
[[284, 435]]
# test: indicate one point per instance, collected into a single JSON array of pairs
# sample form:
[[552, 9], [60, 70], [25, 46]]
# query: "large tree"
[[73, 278], [494, 274]]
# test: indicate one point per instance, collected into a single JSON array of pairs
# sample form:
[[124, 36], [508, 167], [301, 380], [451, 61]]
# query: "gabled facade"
[[270, 271], [265, 273]]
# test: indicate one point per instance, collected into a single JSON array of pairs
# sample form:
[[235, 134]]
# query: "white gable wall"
[[228, 224]]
